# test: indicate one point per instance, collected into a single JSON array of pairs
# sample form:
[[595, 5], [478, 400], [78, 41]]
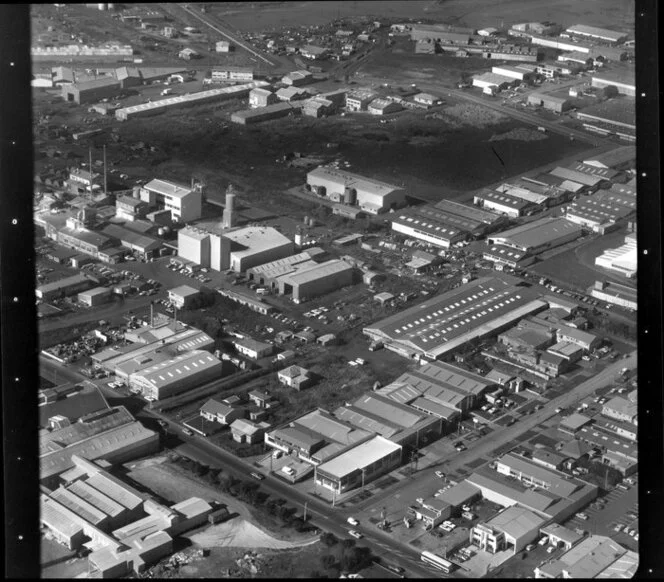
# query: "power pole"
[[105, 184], [304, 517]]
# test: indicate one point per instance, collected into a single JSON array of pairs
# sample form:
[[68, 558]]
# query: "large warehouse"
[[91, 91], [446, 223], [156, 107], [538, 236], [370, 195], [595, 33], [267, 274], [359, 465], [621, 260], [307, 282], [439, 326], [238, 249], [276, 111], [176, 375], [65, 287], [599, 212], [502, 203], [622, 79]]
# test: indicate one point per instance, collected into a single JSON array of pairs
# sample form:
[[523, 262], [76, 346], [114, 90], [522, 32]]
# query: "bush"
[[329, 539]]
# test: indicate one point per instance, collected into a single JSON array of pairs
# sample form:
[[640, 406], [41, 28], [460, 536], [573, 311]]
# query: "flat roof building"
[[256, 245], [502, 202], [596, 33], [513, 528], [359, 465], [67, 286], [182, 296], [623, 79], [616, 159], [539, 235], [267, 113], [372, 196], [615, 293], [184, 202]]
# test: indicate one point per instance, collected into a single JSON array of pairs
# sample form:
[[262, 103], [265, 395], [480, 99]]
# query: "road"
[[226, 34], [498, 438], [321, 514]]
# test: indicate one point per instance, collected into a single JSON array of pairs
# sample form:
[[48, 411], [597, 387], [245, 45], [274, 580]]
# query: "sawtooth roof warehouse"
[[446, 322]]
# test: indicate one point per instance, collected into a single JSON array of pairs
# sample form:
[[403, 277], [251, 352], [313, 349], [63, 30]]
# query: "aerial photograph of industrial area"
[[336, 289]]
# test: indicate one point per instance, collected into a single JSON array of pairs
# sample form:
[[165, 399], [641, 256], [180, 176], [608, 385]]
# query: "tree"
[[329, 539], [327, 561]]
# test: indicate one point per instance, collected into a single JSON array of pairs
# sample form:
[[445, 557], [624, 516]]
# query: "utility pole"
[[304, 517], [363, 479], [105, 184], [90, 170]]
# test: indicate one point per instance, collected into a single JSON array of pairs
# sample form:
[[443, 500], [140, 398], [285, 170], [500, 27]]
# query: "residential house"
[[295, 377], [246, 431], [216, 411]]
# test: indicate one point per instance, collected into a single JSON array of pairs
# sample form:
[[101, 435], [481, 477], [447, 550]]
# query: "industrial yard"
[[336, 292]]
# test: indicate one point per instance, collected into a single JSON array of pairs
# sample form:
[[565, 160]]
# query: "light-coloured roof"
[[362, 455], [256, 239], [557, 482], [192, 98], [310, 273], [348, 179], [603, 33], [183, 291], [614, 157], [516, 521], [459, 494], [168, 188], [503, 198], [96, 498], [494, 79], [538, 232], [574, 421], [53, 517], [323, 423], [245, 426], [115, 490], [392, 411], [192, 507], [213, 406], [178, 368], [576, 176], [95, 291], [62, 283], [620, 405]]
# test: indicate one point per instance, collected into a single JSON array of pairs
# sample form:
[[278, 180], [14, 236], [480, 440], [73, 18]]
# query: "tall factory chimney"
[[228, 219], [105, 183], [90, 170]]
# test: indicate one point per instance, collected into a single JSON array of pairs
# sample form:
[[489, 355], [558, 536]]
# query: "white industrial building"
[[623, 80], [511, 529], [621, 260], [502, 203], [182, 296], [539, 235], [155, 107], [184, 202], [492, 82], [372, 196], [595, 33], [516, 72], [176, 375], [614, 293], [359, 465], [95, 296]]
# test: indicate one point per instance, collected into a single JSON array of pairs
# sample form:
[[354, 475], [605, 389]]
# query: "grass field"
[[473, 13]]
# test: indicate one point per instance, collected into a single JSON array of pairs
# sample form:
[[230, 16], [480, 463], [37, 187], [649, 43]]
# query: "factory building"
[[591, 181], [232, 74], [518, 481], [239, 249], [262, 98], [110, 434], [621, 260], [359, 100], [623, 80], [550, 101], [268, 274], [318, 107], [91, 91], [614, 293], [508, 256], [523, 74], [291, 94], [538, 236], [181, 101], [309, 281], [267, 113], [256, 245], [593, 557], [595, 33], [502, 203], [129, 208], [316, 437], [176, 375], [429, 225], [182, 296], [96, 296], [184, 202], [445, 323], [358, 466], [298, 78], [559, 43], [139, 244], [511, 529], [598, 214], [371, 196], [253, 349], [383, 107], [438, 389], [64, 287], [493, 82]]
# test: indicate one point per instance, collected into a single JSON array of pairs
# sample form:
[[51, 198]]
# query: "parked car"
[[257, 476], [356, 534], [353, 521]]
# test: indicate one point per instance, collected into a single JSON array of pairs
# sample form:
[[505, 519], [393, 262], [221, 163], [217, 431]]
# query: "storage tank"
[[350, 196]]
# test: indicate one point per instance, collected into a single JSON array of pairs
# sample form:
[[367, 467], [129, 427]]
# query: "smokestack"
[[105, 184], [228, 219], [90, 169]]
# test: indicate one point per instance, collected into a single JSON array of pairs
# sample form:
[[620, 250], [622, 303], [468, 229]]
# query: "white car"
[[353, 521], [356, 534], [550, 549], [440, 474]]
